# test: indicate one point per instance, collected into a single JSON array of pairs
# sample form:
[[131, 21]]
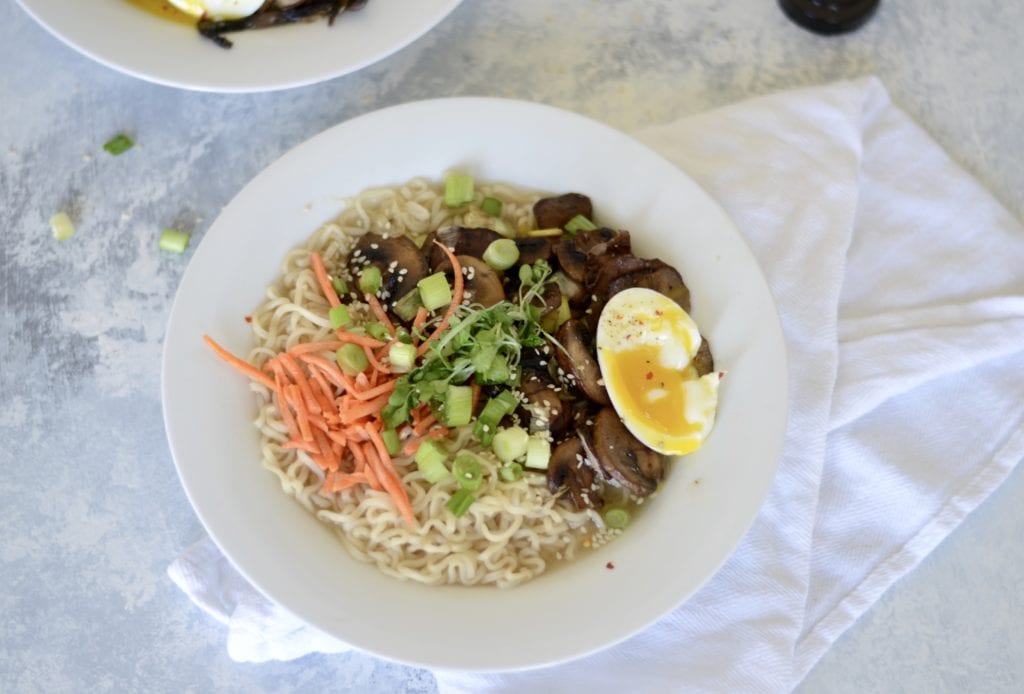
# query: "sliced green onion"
[[430, 459], [435, 291], [579, 223], [467, 471], [482, 356], [458, 406], [458, 189], [616, 517], [501, 254], [491, 206], [504, 228], [119, 144], [402, 356], [340, 285], [511, 472], [377, 331], [339, 316], [391, 441], [553, 320], [510, 444], [525, 275], [352, 359], [460, 502], [174, 241], [62, 227], [538, 453], [497, 374], [406, 307], [496, 408], [369, 280]]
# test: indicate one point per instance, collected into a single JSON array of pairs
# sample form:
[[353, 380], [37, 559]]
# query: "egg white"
[[645, 346], [218, 9]]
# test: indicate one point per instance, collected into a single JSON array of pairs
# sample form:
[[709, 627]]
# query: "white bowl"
[[131, 40], [683, 535]]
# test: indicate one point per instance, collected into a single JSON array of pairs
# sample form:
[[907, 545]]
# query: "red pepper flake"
[[650, 375], [609, 565], [248, 319], [657, 313]]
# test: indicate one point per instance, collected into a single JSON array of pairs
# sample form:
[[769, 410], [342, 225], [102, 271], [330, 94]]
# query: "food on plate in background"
[[428, 384], [214, 18]]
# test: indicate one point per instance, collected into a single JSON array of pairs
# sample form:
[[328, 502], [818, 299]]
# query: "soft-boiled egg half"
[[218, 9], [645, 347]]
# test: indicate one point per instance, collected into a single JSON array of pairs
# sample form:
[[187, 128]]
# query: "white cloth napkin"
[[900, 284]]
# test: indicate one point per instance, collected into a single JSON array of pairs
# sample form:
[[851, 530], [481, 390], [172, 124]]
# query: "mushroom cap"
[[391, 255], [622, 457], [569, 468], [482, 285], [578, 360], [555, 212], [463, 241]]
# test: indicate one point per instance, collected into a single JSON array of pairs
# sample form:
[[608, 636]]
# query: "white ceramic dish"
[[683, 535], [126, 38]]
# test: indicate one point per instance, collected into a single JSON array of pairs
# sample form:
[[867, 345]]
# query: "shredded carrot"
[[309, 347], [300, 445], [293, 397], [330, 370], [418, 322], [371, 393], [374, 362], [361, 340], [364, 409], [350, 480], [292, 367], [337, 419], [424, 425], [243, 366], [457, 294], [381, 314], [279, 401], [321, 276], [390, 481]]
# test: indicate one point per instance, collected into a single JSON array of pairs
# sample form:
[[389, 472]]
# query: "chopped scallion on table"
[[174, 241], [62, 227], [119, 144]]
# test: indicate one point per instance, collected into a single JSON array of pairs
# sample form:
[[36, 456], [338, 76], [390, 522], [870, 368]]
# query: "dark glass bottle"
[[829, 16]]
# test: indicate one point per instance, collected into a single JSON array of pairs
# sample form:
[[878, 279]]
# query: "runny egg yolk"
[[645, 345]]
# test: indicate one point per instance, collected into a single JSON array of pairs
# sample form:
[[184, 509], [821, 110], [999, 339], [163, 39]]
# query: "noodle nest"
[[515, 529]]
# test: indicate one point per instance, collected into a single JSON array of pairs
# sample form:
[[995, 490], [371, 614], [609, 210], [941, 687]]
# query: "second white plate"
[[131, 40]]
